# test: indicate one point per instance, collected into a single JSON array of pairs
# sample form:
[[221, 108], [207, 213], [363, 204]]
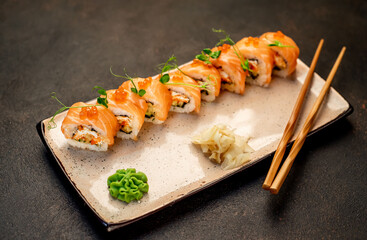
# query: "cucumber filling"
[[150, 111]]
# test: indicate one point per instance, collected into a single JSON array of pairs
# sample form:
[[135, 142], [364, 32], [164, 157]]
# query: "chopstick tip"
[[274, 191], [266, 186]]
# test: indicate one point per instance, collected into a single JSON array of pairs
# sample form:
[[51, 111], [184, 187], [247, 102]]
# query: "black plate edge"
[[113, 226]]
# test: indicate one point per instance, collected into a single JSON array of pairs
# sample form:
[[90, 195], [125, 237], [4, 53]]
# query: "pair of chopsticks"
[[270, 183]]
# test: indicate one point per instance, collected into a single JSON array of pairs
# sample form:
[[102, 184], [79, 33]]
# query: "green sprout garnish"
[[165, 67], [245, 65], [102, 101], [134, 89], [224, 40], [170, 64], [206, 54], [244, 62], [276, 43]]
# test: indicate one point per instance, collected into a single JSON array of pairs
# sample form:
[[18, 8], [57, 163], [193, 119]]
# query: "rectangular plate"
[[174, 166]]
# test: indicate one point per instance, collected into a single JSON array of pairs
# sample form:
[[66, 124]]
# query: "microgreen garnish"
[[245, 65], [244, 62], [206, 54], [276, 43], [102, 101], [170, 64], [141, 92], [224, 40], [164, 79], [134, 89], [164, 67]]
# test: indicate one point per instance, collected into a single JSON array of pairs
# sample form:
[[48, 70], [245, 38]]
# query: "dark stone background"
[[68, 47]]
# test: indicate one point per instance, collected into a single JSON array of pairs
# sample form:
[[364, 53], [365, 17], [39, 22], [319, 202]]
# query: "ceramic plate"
[[175, 167]]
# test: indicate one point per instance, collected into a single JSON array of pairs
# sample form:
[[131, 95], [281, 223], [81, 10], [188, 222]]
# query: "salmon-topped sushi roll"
[[285, 51], [186, 96], [204, 74], [92, 128], [129, 109], [229, 67], [157, 97], [260, 59]]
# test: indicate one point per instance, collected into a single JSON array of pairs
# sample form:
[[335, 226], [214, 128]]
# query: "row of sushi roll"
[[229, 66]]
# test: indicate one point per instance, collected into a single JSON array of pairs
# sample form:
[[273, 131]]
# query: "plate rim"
[[40, 126]]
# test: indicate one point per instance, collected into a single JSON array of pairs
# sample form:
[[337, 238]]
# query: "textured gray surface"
[[68, 46]]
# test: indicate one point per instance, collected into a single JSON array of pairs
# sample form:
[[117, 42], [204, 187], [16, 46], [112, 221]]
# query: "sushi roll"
[[285, 52], [129, 109], [185, 98], [260, 59], [229, 67], [92, 128], [157, 97], [204, 73]]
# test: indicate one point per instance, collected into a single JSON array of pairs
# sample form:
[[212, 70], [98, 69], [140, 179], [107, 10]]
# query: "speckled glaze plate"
[[175, 167]]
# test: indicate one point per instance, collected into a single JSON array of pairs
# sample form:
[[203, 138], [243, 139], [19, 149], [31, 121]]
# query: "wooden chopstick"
[[283, 172], [289, 129]]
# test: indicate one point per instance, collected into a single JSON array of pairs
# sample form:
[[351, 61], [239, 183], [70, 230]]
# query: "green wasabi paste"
[[127, 185]]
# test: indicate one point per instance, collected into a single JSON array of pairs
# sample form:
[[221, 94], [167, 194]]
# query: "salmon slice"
[[157, 97], [184, 98], [260, 59], [229, 67], [90, 119], [129, 108], [285, 60], [204, 73]]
